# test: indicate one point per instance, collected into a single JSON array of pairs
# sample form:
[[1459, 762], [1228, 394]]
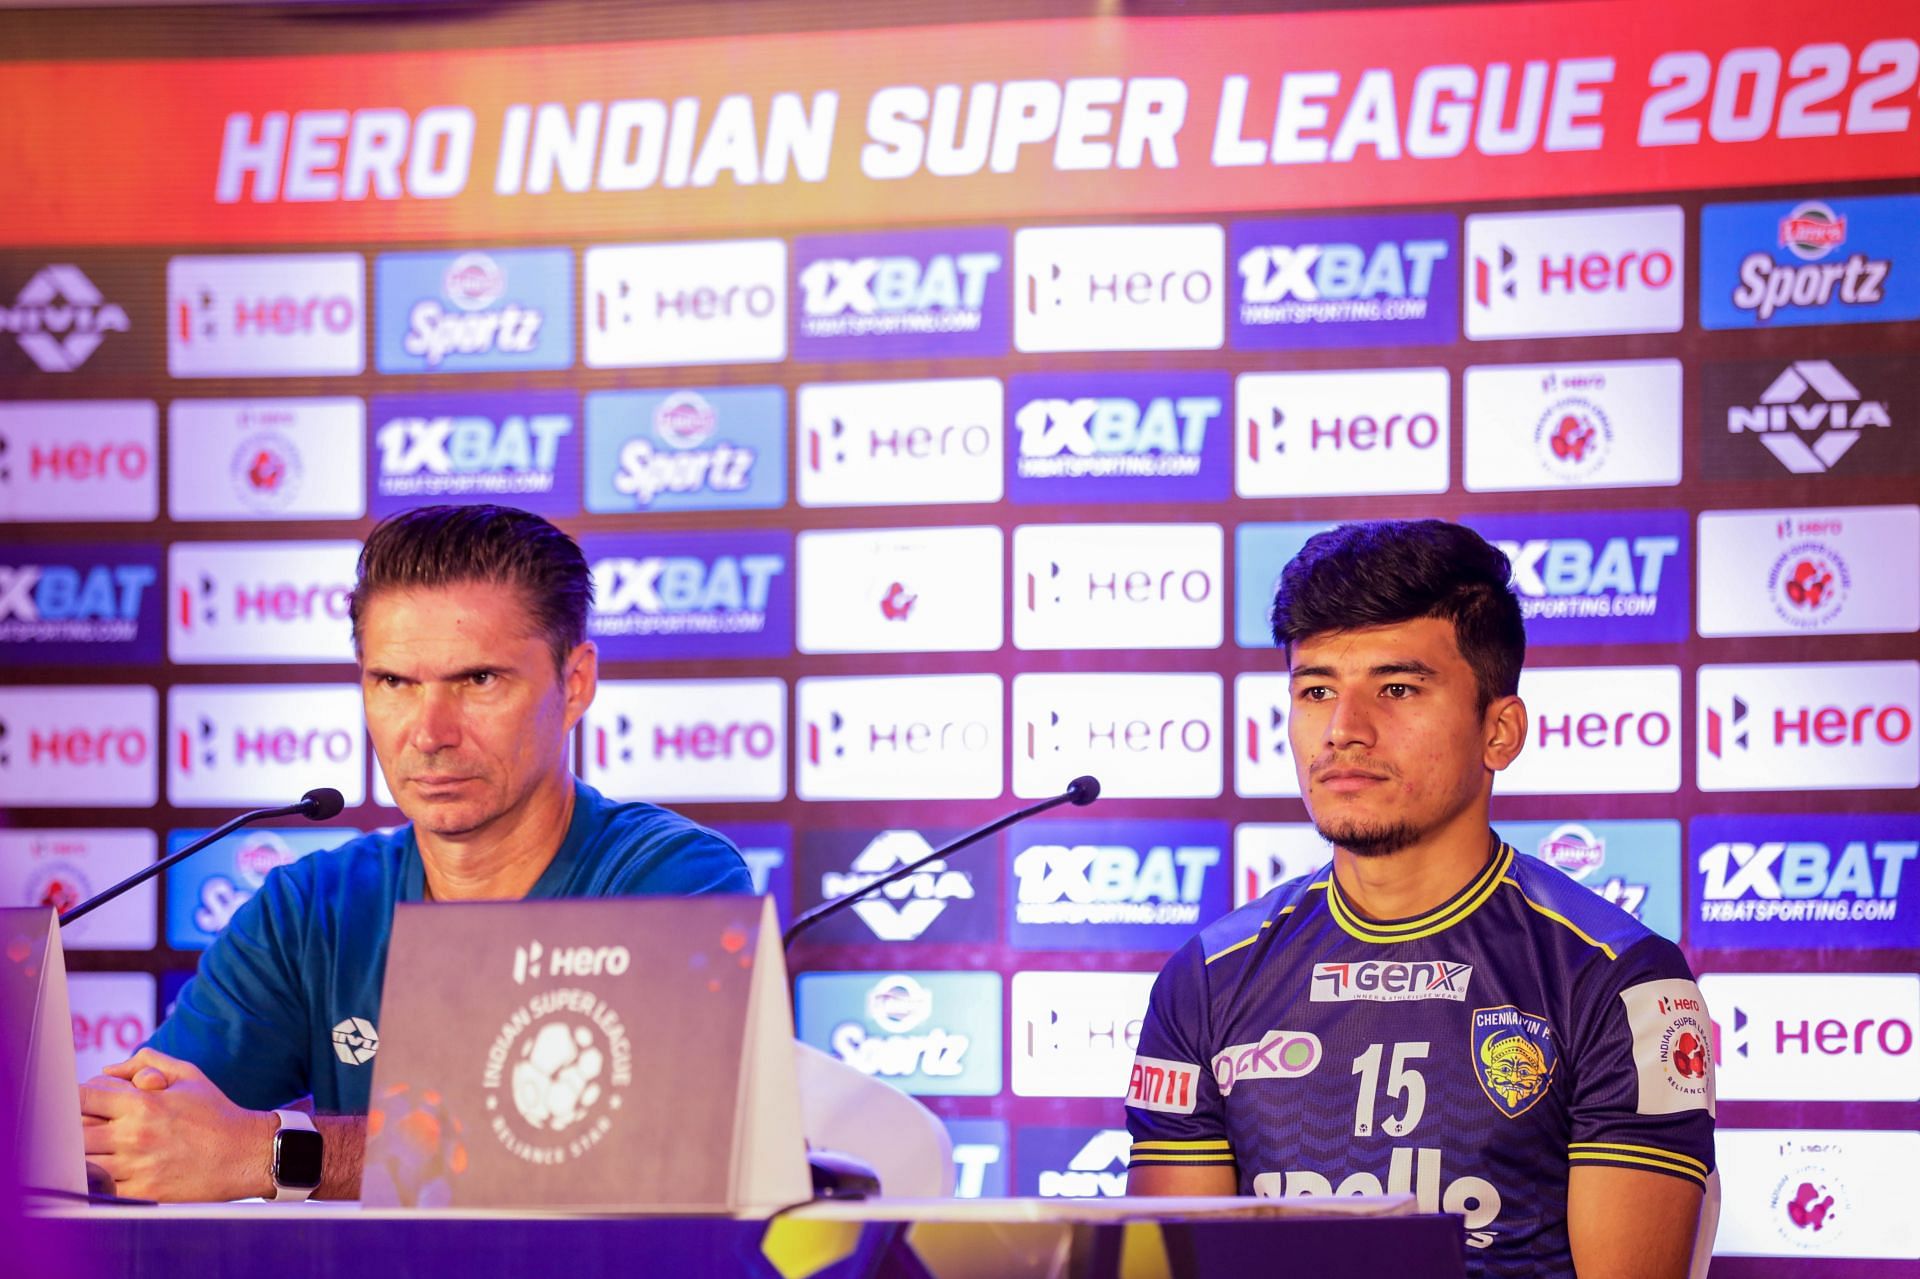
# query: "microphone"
[[1080, 792], [317, 805]]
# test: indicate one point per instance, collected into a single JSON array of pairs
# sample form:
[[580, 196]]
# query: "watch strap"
[[296, 1119]]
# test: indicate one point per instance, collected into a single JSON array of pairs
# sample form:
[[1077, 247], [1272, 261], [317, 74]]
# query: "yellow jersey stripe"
[[1474, 897], [1678, 1170], [1564, 922], [1265, 924], [1220, 1144], [1604, 1146], [1224, 1157]]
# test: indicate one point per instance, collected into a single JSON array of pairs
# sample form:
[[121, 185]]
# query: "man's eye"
[[1400, 690], [1316, 693], [482, 678]]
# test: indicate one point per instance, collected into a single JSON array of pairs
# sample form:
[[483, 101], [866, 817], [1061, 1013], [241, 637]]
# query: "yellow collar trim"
[[1441, 918]]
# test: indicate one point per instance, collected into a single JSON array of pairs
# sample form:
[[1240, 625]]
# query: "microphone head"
[[1082, 791], [323, 802]]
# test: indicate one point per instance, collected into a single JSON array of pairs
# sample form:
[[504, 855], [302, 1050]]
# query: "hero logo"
[[469, 456], [1815, 1037], [474, 283], [248, 603], [78, 460], [60, 318], [900, 737], [683, 594], [255, 316], [87, 603], [1098, 1170], [533, 961], [1076, 1033], [1118, 586], [1577, 851], [664, 304], [898, 1005], [1565, 273], [687, 422], [1160, 437], [901, 443], [864, 297], [1417, 1171], [244, 745], [1809, 416], [1316, 434], [701, 740], [1760, 730], [907, 907], [1599, 730], [1166, 744], [1395, 982], [1144, 288], [1112, 883], [68, 745], [1810, 232]]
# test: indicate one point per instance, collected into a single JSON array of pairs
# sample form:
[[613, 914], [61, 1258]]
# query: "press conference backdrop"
[[936, 406]]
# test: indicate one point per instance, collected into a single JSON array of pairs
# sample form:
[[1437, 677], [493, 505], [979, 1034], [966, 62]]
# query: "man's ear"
[[580, 677], [1505, 732]]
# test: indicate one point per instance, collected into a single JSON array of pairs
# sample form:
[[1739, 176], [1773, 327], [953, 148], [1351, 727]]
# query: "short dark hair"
[[1382, 572], [431, 547]]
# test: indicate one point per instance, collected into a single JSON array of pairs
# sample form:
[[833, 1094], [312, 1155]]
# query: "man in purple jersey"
[[1431, 1013]]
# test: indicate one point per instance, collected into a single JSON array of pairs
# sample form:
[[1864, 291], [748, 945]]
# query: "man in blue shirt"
[[1430, 1013], [469, 623]]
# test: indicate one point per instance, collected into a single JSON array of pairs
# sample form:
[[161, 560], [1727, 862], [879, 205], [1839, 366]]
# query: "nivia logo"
[[1119, 437], [287, 315], [79, 461], [899, 737], [1072, 1163], [271, 602], [1075, 1033], [61, 317], [1310, 283], [472, 311], [1839, 880], [1812, 725], [1853, 570], [1599, 731], [940, 902], [1575, 271], [1359, 432], [1603, 577], [1810, 417], [1143, 885], [1146, 735], [253, 744], [1543, 426], [93, 746], [516, 447], [1634, 865], [84, 604], [907, 590], [1119, 288], [719, 302], [1390, 982], [280, 459], [710, 449], [205, 891], [687, 740], [927, 1033], [900, 443], [1814, 1036], [901, 295], [681, 595], [1821, 261], [1134, 586]]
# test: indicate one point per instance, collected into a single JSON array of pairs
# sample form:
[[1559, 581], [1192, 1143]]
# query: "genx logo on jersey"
[[1320, 282], [1598, 577], [709, 449], [1117, 885], [79, 604], [472, 311], [1806, 881], [1390, 982], [1119, 437], [692, 594], [902, 295], [1845, 261], [518, 448]]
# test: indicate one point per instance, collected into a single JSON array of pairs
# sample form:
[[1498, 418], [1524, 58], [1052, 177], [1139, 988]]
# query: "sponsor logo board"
[[767, 849], [900, 295], [1135, 885], [62, 868], [93, 604], [1355, 432], [474, 311], [931, 1034], [1825, 260], [1816, 1193], [1132, 586], [688, 740], [1072, 1163], [88, 747], [1832, 881], [1838, 570], [1815, 1036], [204, 891], [1808, 726], [979, 1157], [1575, 271], [273, 602], [704, 449], [906, 590], [264, 744], [1144, 736], [258, 459], [1307, 283], [112, 1016], [691, 595], [941, 902], [1633, 864], [1260, 554], [900, 443], [719, 302], [1597, 577], [1268, 854], [1119, 288], [93, 461], [1598, 731], [1847, 416], [1126, 436], [93, 316], [1074, 1034], [517, 448], [1549, 426], [900, 737], [265, 315]]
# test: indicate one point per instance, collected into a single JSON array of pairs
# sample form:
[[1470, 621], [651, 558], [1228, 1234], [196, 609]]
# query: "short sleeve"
[[1174, 1109], [682, 861], [242, 1018], [1643, 1076]]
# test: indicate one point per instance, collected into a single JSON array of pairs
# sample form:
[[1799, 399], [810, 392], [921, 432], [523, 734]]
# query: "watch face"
[[296, 1158]]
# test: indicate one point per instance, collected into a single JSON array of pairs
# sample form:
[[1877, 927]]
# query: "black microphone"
[[1080, 792], [317, 805]]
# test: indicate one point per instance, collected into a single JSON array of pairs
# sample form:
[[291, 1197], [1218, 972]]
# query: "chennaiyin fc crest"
[[1514, 1057]]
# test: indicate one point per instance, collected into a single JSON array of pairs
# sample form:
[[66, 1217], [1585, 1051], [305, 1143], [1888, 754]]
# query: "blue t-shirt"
[[1470, 1056], [306, 957]]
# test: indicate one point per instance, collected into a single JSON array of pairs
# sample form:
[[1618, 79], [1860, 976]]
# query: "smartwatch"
[[296, 1157]]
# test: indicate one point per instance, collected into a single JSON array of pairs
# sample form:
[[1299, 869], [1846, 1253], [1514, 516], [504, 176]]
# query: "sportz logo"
[[1390, 982]]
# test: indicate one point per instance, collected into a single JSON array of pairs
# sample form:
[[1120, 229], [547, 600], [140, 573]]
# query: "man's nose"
[[436, 723], [1351, 723]]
